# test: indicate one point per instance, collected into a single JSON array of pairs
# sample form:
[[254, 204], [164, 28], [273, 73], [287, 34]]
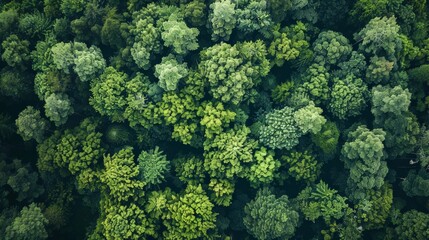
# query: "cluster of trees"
[[219, 119]]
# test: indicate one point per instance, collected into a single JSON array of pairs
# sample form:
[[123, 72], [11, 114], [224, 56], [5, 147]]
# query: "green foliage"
[[62, 56], [34, 25], [302, 166], [355, 65], [316, 83], [222, 18], [14, 84], [321, 201], [189, 169], [309, 119], [29, 225], [380, 37], [153, 165], [222, 191], [327, 138], [72, 8], [119, 178], [189, 215], [373, 211], [253, 16], [30, 125], [232, 71], [78, 149], [15, 51], [279, 129], [169, 72], [58, 108], [225, 155], [264, 168], [112, 32], [214, 117], [267, 217], [378, 70], [348, 97], [365, 10], [196, 13], [279, 8], [413, 225], [416, 183], [118, 135], [179, 36], [331, 48], [282, 92], [363, 154], [390, 110], [51, 82], [125, 222], [107, 94], [23, 181], [289, 43], [8, 20], [88, 62]]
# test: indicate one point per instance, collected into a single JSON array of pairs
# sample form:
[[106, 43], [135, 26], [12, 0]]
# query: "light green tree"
[[267, 217], [179, 36], [58, 108], [222, 19], [153, 165], [169, 72]]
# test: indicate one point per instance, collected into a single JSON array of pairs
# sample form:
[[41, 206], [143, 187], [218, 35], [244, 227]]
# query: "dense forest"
[[216, 119]]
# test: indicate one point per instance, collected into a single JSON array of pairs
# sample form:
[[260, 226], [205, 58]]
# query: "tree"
[[316, 83], [321, 201], [196, 13], [214, 117], [23, 182], [413, 225], [62, 56], [15, 51], [107, 94], [373, 210], [253, 16], [289, 43], [189, 215], [169, 72], [29, 224], [264, 168], [279, 129], [88, 62], [126, 222], [267, 217], [363, 154], [331, 48], [227, 153], [31, 125], [416, 183], [120, 177], [58, 108], [327, 138], [179, 36], [153, 165], [380, 37], [302, 166], [390, 110], [222, 19], [309, 119], [378, 70], [232, 70], [348, 97], [78, 149]]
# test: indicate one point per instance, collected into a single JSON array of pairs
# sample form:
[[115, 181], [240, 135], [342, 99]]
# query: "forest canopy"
[[214, 119]]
